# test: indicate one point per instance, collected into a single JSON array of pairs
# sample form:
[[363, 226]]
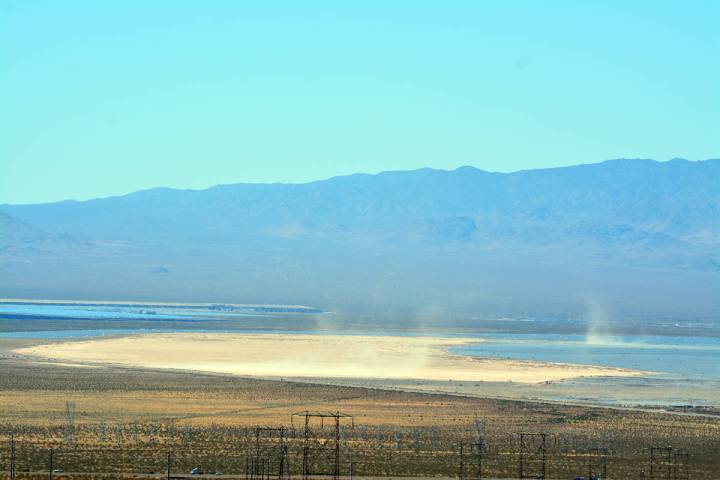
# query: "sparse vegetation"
[[127, 420]]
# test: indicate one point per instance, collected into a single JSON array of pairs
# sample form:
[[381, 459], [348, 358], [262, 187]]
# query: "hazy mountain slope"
[[637, 235], [18, 240], [677, 198], [14, 233]]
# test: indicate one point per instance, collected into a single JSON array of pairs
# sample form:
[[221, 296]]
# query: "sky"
[[102, 98]]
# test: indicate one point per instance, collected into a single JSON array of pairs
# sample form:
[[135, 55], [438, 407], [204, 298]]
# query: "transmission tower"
[[532, 460], [321, 452]]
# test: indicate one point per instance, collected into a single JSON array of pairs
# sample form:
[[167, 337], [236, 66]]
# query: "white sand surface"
[[311, 356]]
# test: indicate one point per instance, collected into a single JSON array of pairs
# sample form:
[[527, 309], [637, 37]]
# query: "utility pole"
[[50, 465], [12, 457], [461, 472], [168, 466], [336, 469]]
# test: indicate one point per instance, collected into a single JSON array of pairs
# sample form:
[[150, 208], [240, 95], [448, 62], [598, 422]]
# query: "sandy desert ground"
[[125, 419]]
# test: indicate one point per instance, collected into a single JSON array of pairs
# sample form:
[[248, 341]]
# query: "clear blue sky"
[[101, 98]]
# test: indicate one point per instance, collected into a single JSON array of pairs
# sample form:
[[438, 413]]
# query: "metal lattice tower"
[[598, 459], [69, 422], [471, 460], [532, 460], [321, 456], [473, 454], [661, 463], [681, 459], [270, 455]]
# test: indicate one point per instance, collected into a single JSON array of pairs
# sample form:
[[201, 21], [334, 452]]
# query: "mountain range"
[[637, 237]]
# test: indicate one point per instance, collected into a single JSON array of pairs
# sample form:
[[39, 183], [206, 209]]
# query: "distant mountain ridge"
[[614, 200], [619, 212]]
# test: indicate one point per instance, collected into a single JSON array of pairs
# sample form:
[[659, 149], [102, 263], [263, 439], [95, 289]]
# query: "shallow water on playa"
[[689, 357]]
